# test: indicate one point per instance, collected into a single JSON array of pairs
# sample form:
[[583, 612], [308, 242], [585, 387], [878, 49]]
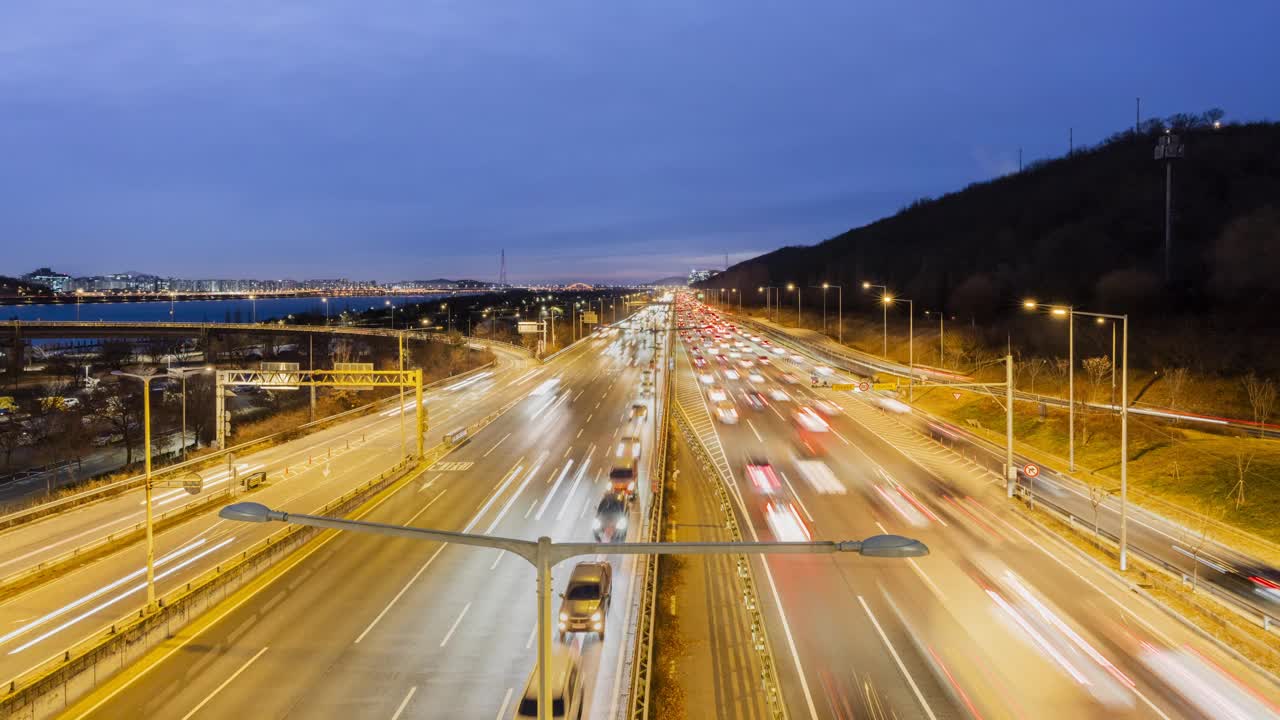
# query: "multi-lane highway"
[[364, 626], [1244, 580], [43, 621], [999, 621]]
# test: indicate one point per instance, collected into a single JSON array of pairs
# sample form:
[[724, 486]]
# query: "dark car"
[[612, 517]]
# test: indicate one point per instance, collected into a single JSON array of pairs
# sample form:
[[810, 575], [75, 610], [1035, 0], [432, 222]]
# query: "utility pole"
[[1169, 148]]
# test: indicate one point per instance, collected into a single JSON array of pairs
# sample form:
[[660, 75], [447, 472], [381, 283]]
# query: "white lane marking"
[[529, 512], [403, 590], [532, 633], [515, 470], [404, 702], [495, 445], [514, 495], [225, 683], [755, 432], [552, 492], [911, 681], [455, 625], [495, 560], [796, 495], [506, 700], [575, 437]]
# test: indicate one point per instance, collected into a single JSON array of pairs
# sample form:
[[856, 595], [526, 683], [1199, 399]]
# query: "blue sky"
[[591, 140]]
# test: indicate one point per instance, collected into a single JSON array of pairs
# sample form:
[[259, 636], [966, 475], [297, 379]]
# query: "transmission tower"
[[502, 269]]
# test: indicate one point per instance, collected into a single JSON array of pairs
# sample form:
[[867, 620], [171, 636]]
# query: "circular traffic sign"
[[1031, 470], [864, 386]]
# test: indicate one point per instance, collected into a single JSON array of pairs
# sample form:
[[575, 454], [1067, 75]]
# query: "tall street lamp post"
[[182, 373], [942, 336], [885, 309], [839, 308], [796, 288], [325, 302], [545, 554], [1068, 312], [765, 289], [911, 345], [146, 439]]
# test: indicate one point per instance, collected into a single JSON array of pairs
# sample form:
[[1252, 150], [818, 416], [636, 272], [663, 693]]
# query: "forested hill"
[[1086, 229]]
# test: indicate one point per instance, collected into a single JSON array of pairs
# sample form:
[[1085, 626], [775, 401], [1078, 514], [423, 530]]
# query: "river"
[[230, 310]]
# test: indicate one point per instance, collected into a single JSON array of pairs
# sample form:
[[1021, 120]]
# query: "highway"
[[1245, 580], [41, 622], [999, 621], [390, 628]]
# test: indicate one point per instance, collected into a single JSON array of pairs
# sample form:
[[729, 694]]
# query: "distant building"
[[697, 276], [55, 281]]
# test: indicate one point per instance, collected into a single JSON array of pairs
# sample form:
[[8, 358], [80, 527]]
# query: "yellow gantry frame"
[[321, 378]]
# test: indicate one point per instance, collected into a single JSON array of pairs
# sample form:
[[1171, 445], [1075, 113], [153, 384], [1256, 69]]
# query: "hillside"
[[1087, 229]]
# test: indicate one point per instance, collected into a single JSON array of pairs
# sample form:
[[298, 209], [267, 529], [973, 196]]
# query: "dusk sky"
[[591, 140]]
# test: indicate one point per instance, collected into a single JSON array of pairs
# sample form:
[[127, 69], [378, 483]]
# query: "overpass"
[[15, 334]]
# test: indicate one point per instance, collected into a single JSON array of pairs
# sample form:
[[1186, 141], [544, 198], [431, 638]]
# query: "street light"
[[885, 309], [888, 300], [146, 439], [765, 289], [393, 313], [790, 287], [545, 554], [79, 294], [325, 302], [839, 308], [254, 300], [182, 373], [1067, 312], [942, 334]]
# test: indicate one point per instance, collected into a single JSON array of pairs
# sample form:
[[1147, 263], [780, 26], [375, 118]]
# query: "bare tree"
[[1033, 367], [122, 410], [1175, 379], [1262, 396], [1095, 368], [1243, 459], [1097, 496]]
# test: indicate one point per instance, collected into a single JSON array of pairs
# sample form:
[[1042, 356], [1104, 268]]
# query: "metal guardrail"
[[638, 703], [710, 462], [95, 494]]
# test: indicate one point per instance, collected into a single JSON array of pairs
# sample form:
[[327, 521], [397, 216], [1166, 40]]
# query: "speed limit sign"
[[864, 386], [1031, 470]]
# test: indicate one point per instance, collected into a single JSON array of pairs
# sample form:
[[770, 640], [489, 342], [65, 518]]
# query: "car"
[[779, 351], [797, 359], [566, 687], [762, 359], [777, 394], [706, 378], [807, 419], [755, 377], [612, 515], [699, 361], [762, 476], [784, 522], [734, 354], [639, 412], [754, 400], [745, 362], [788, 378], [585, 602], [717, 393], [731, 374], [727, 412], [826, 407]]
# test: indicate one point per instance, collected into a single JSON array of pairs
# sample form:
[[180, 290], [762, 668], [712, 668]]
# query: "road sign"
[[885, 386], [843, 386], [955, 395], [528, 328], [864, 386], [590, 318], [1031, 470], [193, 483]]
